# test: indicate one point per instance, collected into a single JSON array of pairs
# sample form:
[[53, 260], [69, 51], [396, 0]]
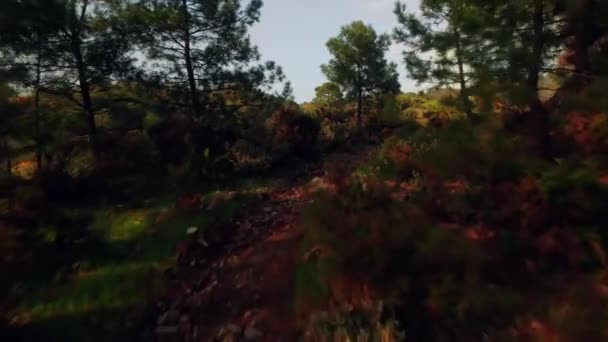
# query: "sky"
[[293, 33]]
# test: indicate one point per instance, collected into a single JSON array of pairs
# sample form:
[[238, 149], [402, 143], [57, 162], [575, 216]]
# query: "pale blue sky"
[[293, 33]]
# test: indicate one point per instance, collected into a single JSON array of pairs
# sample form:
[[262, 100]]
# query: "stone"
[[170, 330], [168, 318], [251, 333], [233, 328], [229, 330]]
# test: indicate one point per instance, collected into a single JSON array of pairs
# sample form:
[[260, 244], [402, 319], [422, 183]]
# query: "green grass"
[[102, 299]]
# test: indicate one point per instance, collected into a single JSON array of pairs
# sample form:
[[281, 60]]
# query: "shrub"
[[294, 132], [170, 139], [306, 142], [409, 100], [334, 133], [247, 157], [414, 265], [412, 114], [81, 164], [390, 111], [126, 153], [396, 152], [588, 132], [458, 228], [8, 184]]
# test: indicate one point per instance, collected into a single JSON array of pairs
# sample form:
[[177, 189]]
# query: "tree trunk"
[[37, 107], [538, 22], [537, 108], [359, 108], [464, 92], [512, 27], [9, 164], [195, 103], [582, 42], [581, 53], [85, 91]]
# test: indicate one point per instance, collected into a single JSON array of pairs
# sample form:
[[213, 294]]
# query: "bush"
[[412, 114], [170, 139], [391, 111], [8, 185], [396, 152], [128, 152], [409, 100], [306, 142], [130, 188], [294, 132], [463, 233], [403, 255], [60, 186], [247, 157], [334, 133]]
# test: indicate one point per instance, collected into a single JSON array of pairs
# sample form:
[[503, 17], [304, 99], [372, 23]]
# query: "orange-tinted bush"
[[294, 132], [589, 132]]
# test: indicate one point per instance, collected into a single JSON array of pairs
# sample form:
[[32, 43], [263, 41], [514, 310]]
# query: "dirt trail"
[[244, 291]]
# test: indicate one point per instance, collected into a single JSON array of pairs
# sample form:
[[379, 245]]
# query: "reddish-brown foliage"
[[189, 202], [588, 131]]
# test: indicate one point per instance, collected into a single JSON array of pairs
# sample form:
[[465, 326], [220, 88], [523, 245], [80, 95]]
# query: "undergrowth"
[[103, 294], [463, 234]]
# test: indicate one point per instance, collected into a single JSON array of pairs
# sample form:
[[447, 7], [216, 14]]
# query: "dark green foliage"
[[359, 66], [306, 143], [205, 46], [445, 34], [293, 132], [329, 98], [459, 233], [170, 139]]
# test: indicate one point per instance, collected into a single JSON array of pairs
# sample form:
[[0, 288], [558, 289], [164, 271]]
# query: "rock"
[[234, 308], [170, 330], [209, 288], [233, 328], [76, 266], [229, 330], [168, 318], [251, 333]]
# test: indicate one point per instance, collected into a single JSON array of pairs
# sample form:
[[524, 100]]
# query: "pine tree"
[[440, 47], [28, 31], [329, 97], [202, 46], [72, 48], [359, 65]]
